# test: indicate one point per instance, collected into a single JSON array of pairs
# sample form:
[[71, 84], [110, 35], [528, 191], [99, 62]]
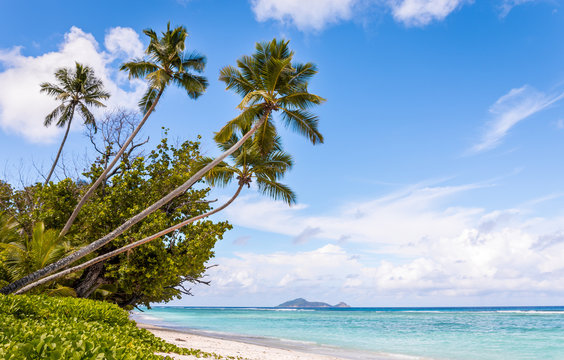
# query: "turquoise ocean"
[[482, 333]]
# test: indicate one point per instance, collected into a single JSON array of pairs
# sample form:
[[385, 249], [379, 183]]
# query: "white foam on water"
[[532, 312]]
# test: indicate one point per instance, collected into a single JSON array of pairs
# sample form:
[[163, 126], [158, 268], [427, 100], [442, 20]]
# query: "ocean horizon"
[[441, 333]]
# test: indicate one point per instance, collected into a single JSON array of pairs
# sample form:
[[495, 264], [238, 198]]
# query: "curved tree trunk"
[[90, 280], [60, 149], [98, 261], [8, 289], [102, 176]]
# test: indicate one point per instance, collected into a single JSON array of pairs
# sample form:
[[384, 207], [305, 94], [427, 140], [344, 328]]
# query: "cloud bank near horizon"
[[23, 107], [409, 244]]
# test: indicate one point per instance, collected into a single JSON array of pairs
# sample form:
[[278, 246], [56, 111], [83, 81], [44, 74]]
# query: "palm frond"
[[243, 121], [66, 115], [148, 98], [274, 69], [234, 80], [299, 100], [194, 61], [54, 114], [219, 175], [303, 123], [52, 89], [276, 190], [138, 68], [264, 138], [193, 84], [87, 116]]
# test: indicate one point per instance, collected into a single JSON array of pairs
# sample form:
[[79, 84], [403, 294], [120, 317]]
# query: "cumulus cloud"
[[508, 260], [23, 107], [510, 109], [317, 14], [423, 12]]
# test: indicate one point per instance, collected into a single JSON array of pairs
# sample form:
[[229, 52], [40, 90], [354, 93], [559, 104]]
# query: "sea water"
[[495, 333]]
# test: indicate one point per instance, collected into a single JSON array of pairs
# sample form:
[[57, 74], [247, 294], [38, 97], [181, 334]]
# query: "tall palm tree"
[[76, 90], [166, 62], [269, 82], [248, 163]]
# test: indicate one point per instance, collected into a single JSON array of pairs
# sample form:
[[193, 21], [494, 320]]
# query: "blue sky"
[[440, 180]]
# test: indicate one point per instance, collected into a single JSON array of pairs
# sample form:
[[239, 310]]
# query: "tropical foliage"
[[40, 327], [27, 254], [248, 164], [166, 63], [150, 193], [151, 273]]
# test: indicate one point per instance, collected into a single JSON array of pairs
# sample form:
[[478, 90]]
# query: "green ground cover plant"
[[42, 327]]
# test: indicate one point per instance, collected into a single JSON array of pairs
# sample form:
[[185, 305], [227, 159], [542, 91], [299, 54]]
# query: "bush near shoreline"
[[42, 327]]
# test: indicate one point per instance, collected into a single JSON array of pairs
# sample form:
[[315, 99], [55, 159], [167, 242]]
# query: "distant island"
[[303, 303]]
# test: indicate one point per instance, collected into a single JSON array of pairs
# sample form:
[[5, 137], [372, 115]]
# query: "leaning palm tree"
[[165, 63], [269, 82], [76, 90], [248, 163]]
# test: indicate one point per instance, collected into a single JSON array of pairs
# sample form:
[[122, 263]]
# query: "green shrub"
[[41, 327]]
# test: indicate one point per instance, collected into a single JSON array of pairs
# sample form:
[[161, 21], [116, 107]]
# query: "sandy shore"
[[228, 347]]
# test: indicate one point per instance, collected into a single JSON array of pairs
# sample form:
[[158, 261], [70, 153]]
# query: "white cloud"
[[123, 41], [381, 220], [23, 107], [472, 263], [507, 5], [510, 109], [317, 14], [408, 245], [423, 12]]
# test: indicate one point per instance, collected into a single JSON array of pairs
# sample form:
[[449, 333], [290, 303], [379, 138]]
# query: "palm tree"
[[166, 63], [268, 82], [248, 163], [76, 90]]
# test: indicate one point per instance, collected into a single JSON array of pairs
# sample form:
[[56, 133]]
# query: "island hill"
[[303, 303]]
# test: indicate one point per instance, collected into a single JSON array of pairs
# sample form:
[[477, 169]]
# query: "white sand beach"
[[226, 348]]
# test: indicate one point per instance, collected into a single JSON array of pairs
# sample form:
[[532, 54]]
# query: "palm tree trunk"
[[10, 288], [130, 246], [60, 149], [102, 176]]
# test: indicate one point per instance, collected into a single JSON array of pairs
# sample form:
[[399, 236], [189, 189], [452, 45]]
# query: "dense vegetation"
[[151, 273], [92, 223], [98, 220], [41, 327]]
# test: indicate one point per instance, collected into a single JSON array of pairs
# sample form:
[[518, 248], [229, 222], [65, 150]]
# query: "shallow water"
[[438, 333]]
